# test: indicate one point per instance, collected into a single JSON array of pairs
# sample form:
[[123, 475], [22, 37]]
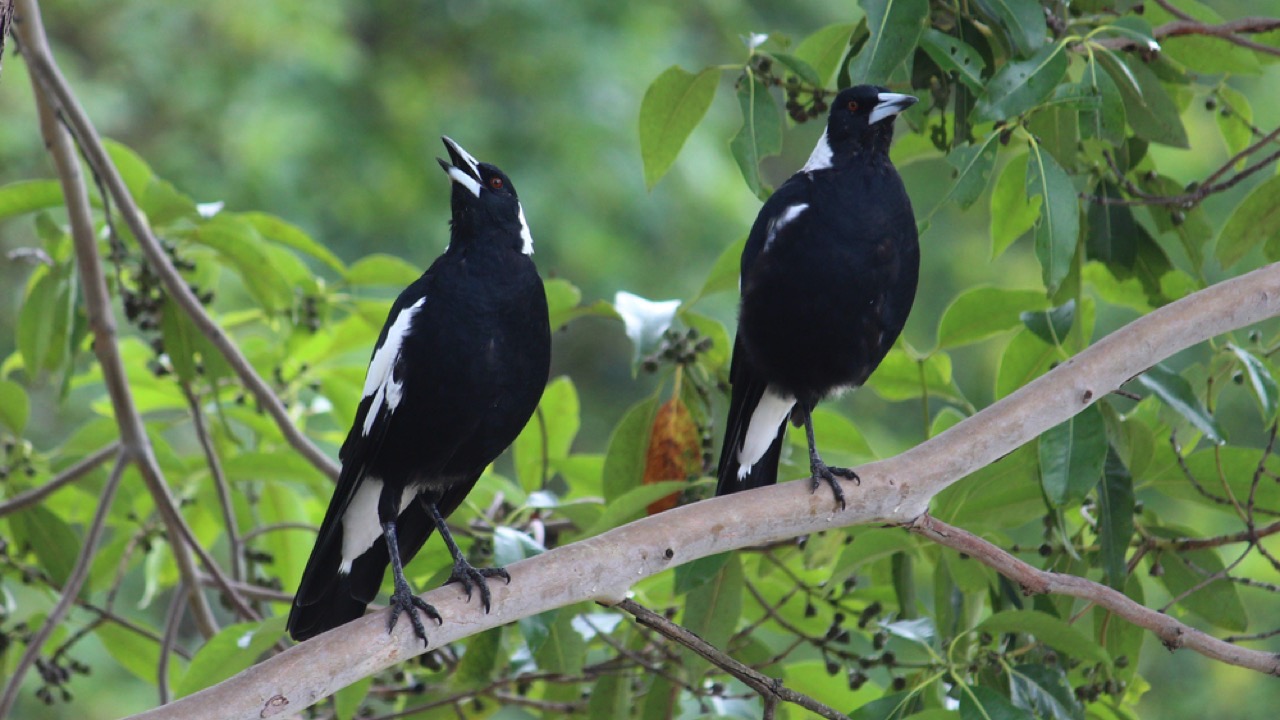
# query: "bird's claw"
[[403, 600], [469, 575], [823, 472]]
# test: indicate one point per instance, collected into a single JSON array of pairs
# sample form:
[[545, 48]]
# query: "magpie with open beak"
[[457, 371], [828, 277]]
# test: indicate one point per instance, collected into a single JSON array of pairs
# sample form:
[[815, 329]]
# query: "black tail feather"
[[747, 392]]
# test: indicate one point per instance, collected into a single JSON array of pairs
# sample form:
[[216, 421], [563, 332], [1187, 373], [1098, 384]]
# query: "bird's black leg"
[[821, 471], [403, 599], [463, 571]]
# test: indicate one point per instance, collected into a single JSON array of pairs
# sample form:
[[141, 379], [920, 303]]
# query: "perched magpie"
[[457, 371], [827, 279]]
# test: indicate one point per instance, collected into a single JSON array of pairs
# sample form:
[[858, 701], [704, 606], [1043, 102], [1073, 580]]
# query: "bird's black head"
[[861, 118], [484, 199]]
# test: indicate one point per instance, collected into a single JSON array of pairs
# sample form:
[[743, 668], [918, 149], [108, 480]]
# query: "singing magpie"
[[827, 278], [457, 371]]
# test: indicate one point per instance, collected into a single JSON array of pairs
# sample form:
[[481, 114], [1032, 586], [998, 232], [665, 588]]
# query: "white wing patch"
[[821, 157], [361, 526], [525, 235], [775, 226], [773, 408], [381, 382]]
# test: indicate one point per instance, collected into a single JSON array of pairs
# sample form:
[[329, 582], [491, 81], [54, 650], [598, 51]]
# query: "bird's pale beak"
[[464, 169], [890, 104]]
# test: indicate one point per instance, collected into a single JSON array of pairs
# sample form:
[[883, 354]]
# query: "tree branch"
[[70, 590], [48, 79], [896, 490], [770, 689], [133, 434], [1172, 633], [66, 477]]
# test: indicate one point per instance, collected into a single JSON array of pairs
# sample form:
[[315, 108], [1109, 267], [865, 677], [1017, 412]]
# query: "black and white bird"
[[828, 277], [458, 369]]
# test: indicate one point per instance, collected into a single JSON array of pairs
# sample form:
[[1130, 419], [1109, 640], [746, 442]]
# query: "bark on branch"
[[897, 490]]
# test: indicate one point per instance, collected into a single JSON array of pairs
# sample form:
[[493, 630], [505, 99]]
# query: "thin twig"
[[66, 477], [172, 620], [771, 690], [79, 573], [1171, 632], [219, 482]]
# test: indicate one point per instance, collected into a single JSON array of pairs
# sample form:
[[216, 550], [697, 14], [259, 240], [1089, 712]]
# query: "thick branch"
[[896, 490], [49, 78]]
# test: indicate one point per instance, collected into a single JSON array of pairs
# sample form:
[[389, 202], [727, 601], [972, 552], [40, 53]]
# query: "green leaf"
[[712, 611], [27, 196], [699, 572], [1217, 602], [1013, 212], [1021, 22], [547, 436], [1148, 108], [1071, 457], [1025, 358], [179, 335], [39, 530], [610, 698], [1005, 494], [1112, 230], [381, 270], [895, 27], [1047, 629], [15, 406], [511, 546], [1045, 691], [981, 703], [1234, 121], [1254, 221], [801, 68], [631, 505], [628, 445], [1175, 392], [674, 104], [44, 322], [1202, 53], [346, 702], [1261, 381], [1115, 520], [902, 377], [825, 49], [955, 55], [981, 313], [285, 233], [724, 273], [233, 649], [889, 707], [1053, 324], [760, 134], [972, 166], [1058, 230], [1022, 84], [1106, 121], [480, 660], [645, 322], [134, 171], [137, 654], [564, 650], [240, 246]]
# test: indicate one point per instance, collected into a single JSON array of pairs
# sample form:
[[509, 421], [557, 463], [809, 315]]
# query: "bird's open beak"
[[464, 169], [890, 104]]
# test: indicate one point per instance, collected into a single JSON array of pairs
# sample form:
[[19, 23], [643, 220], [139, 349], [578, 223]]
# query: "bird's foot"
[[469, 575], [832, 475], [403, 600]]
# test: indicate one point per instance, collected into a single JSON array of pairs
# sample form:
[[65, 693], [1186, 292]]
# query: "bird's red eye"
[[853, 106], [496, 183]]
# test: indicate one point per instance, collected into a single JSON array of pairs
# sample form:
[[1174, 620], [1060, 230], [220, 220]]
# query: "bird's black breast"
[[473, 367], [825, 299]]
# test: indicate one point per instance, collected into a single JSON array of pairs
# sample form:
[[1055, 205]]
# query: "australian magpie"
[[828, 276], [457, 371]]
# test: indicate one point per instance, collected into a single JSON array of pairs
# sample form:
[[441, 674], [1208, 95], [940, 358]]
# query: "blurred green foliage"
[[316, 125]]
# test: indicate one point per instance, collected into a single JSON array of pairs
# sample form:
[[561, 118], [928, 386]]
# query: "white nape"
[[820, 159], [525, 235]]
